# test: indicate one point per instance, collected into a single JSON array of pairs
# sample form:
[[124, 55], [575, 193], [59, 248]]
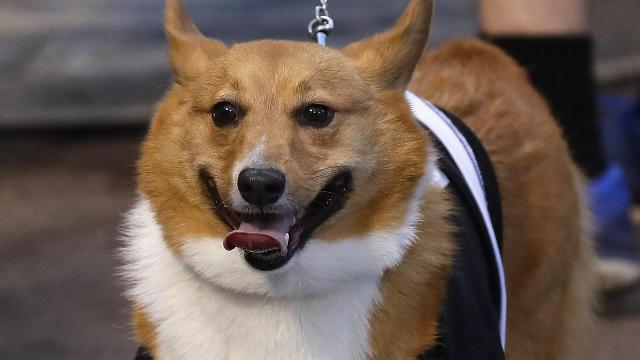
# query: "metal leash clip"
[[321, 25]]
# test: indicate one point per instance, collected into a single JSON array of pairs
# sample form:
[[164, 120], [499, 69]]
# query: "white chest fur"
[[198, 320]]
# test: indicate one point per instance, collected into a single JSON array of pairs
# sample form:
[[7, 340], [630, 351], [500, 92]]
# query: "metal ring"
[[323, 24]]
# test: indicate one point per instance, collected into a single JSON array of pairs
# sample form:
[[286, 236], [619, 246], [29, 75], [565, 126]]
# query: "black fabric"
[[468, 325], [489, 179], [143, 354], [561, 68]]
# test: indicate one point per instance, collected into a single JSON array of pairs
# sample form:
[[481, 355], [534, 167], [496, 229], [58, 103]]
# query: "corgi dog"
[[288, 209]]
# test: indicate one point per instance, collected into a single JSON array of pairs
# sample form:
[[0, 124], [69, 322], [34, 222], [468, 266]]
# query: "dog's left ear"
[[189, 50], [388, 59]]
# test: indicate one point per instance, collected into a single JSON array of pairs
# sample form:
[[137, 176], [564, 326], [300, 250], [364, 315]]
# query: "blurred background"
[[78, 82]]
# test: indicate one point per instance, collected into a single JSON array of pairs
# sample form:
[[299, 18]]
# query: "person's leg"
[[533, 18], [550, 38]]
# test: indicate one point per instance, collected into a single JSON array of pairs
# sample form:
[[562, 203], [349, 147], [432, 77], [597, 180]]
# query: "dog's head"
[[283, 167]]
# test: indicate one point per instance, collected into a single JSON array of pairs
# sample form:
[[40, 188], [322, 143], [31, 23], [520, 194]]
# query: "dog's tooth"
[[286, 245]]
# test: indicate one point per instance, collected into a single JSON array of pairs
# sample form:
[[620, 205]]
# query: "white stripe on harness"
[[457, 146]]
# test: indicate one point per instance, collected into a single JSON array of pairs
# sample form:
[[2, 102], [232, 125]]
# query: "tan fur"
[[145, 331], [183, 140], [406, 319], [546, 252]]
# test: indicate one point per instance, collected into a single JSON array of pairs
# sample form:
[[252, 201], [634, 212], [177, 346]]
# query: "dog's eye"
[[224, 113], [316, 115]]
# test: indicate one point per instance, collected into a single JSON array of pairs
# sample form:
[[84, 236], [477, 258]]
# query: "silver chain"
[[321, 25]]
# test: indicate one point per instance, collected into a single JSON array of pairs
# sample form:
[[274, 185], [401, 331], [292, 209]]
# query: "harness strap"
[[463, 156], [143, 354]]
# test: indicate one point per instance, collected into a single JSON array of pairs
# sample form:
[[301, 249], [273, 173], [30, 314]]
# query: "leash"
[[322, 25]]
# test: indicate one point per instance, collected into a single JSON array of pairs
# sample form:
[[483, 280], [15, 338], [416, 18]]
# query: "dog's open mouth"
[[270, 240]]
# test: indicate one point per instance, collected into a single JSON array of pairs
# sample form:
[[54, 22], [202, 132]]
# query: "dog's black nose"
[[261, 187]]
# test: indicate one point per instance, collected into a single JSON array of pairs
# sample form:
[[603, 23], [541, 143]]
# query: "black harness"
[[143, 354], [468, 326]]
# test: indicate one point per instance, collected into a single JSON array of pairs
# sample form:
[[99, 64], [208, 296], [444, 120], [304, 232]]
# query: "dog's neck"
[[195, 319]]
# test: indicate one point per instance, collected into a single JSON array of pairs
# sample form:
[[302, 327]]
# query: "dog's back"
[[546, 224]]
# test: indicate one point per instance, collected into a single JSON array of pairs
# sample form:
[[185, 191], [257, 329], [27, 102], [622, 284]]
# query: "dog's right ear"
[[388, 59], [189, 50]]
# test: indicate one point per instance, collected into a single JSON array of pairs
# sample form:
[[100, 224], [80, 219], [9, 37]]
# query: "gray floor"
[[62, 199]]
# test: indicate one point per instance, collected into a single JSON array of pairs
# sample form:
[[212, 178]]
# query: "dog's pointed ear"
[[189, 50], [388, 59]]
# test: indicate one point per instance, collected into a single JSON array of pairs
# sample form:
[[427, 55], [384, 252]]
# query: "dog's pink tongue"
[[256, 237]]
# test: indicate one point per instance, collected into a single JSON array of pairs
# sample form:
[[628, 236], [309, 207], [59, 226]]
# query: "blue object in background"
[[611, 202], [611, 193], [621, 136]]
